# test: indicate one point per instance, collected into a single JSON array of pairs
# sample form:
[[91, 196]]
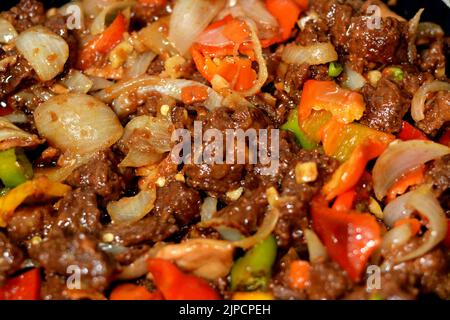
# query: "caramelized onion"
[[132, 209], [316, 249], [7, 31], [418, 101], [400, 157], [12, 136], [314, 54], [396, 237], [77, 82]]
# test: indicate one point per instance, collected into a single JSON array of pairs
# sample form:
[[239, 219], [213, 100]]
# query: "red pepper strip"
[[447, 237], [345, 201], [349, 173], [409, 132], [414, 224], [287, 13], [27, 286], [445, 138], [413, 177], [191, 94], [345, 105], [129, 291], [104, 42], [175, 285], [4, 111], [350, 237]]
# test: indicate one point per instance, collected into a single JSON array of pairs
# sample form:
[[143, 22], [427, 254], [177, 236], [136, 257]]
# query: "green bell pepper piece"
[[15, 168], [334, 69], [253, 271], [302, 138]]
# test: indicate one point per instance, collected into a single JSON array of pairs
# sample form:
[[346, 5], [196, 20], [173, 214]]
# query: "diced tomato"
[[24, 287], [409, 132], [129, 291], [175, 285], [191, 94], [350, 237]]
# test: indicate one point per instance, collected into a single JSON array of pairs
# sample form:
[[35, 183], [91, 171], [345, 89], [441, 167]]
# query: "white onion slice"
[[413, 26], [16, 117], [45, 51], [139, 66], [154, 38], [189, 18], [418, 101], [12, 136], [353, 79], [132, 209], [208, 208], [316, 249], [99, 23], [77, 82], [396, 237], [424, 201], [314, 54], [169, 87], [206, 258], [397, 209], [256, 10], [400, 157], [7, 31], [77, 123], [99, 83]]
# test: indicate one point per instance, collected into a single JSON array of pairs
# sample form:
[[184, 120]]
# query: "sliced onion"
[[169, 87], [396, 237], [413, 26], [256, 10], [208, 208], [77, 123], [129, 210], [12, 136], [77, 82], [314, 54], [16, 117], [400, 157], [154, 38], [228, 233], [7, 31], [147, 139], [139, 66], [99, 83], [59, 174], [353, 79], [45, 51], [93, 8], [397, 209], [424, 201], [99, 23], [206, 258], [317, 251], [418, 101], [189, 18]]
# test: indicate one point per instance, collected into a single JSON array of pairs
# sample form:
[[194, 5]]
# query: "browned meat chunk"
[[60, 251], [385, 106], [433, 58], [10, 257], [438, 174], [26, 14], [437, 113], [28, 222], [16, 71]]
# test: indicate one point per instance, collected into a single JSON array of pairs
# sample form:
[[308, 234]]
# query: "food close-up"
[[224, 149]]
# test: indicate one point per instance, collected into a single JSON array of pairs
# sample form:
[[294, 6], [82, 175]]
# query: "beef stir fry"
[[108, 108]]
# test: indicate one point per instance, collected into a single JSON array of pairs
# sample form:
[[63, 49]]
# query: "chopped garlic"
[[306, 172], [108, 237], [120, 54], [375, 208], [374, 76], [173, 66], [179, 177], [235, 194], [161, 182], [165, 110]]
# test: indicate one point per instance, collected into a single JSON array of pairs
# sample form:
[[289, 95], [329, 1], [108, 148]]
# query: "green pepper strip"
[[302, 138], [334, 69], [15, 168], [396, 73], [253, 271]]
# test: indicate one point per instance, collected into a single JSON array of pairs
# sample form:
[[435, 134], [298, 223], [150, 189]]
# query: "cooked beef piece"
[[27, 222], [437, 113], [315, 31], [296, 75], [433, 58], [25, 14], [413, 79], [17, 71], [328, 281], [11, 257], [78, 212], [53, 287], [438, 174], [63, 250], [152, 228], [267, 103], [130, 254], [101, 176], [58, 24], [297, 196], [385, 106], [178, 200]]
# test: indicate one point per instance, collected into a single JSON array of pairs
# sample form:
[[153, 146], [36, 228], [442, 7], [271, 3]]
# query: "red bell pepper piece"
[[191, 94], [345, 105], [4, 111], [129, 291], [287, 13], [408, 132], [175, 285], [345, 201], [27, 286], [414, 177], [350, 237], [104, 42]]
